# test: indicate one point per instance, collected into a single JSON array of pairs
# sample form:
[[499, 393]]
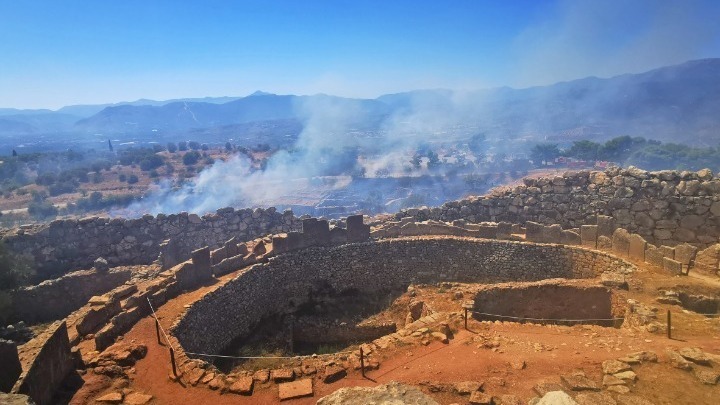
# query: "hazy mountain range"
[[678, 103]]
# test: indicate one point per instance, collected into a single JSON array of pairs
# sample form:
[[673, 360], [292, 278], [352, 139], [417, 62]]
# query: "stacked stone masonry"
[[74, 244], [664, 207], [386, 265]]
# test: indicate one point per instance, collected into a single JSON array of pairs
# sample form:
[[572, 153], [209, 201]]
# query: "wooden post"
[[157, 330], [669, 325], [466, 315], [172, 361], [362, 362]]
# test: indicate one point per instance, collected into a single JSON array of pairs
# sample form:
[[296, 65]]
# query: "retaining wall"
[[665, 207], [389, 265], [57, 298], [71, 244]]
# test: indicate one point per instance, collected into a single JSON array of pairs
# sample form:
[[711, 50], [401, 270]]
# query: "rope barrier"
[[545, 319], [158, 322]]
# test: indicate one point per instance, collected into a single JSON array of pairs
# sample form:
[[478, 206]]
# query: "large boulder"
[[391, 393]]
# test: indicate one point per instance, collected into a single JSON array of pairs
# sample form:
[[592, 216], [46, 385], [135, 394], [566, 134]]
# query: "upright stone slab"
[[11, 368], [604, 242], [504, 230], [534, 232], [605, 225], [231, 248], [51, 364], [552, 234], [708, 260], [637, 246], [357, 231], [316, 232], [685, 253], [621, 242], [295, 240], [673, 266], [570, 238], [201, 261], [653, 256], [588, 235], [279, 244], [185, 275], [667, 251], [338, 236]]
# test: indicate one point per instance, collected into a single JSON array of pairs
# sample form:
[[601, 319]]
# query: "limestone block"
[[606, 225], [279, 244], [11, 369], [588, 235], [339, 236], [316, 232], [707, 260], [653, 256], [504, 229], [621, 242], [637, 246], [357, 231], [604, 242], [672, 266], [667, 251], [570, 238], [201, 262], [534, 232], [685, 253], [552, 234]]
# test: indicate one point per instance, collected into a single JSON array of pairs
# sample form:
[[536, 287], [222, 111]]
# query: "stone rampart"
[[665, 207], [55, 299], [71, 244], [286, 280]]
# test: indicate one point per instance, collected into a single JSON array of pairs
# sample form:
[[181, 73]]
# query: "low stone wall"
[[47, 360], [55, 299], [549, 299], [665, 207], [329, 334], [389, 265], [71, 244]]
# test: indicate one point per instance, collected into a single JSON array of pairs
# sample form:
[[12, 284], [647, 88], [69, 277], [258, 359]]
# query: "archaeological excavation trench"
[[320, 293]]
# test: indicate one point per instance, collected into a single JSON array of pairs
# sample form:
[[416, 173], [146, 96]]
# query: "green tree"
[[544, 152], [191, 158], [171, 147]]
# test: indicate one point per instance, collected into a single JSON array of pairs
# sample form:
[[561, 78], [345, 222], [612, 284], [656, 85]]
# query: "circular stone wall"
[[287, 280]]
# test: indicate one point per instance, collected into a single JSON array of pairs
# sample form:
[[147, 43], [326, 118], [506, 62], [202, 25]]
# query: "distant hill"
[[678, 103]]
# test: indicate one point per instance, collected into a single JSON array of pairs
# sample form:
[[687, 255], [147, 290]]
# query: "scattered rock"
[[15, 399], [707, 376], [620, 389], [391, 393], [137, 398], [518, 364], [440, 336], [578, 382], [262, 376], [545, 387], [640, 357], [282, 375], [614, 366], [632, 400], [101, 265], [295, 389], [333, 373], [609, 380], [678, 361], [480, 398], [111, 398], [595, 398], [556, 398], [468, 387], [508, 400], [626, 375], [695, 355], [243, 386]]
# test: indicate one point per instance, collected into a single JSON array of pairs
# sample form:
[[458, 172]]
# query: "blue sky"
[[55, 53]]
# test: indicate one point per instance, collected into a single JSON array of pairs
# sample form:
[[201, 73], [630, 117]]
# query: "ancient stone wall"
[[47, 360], [665, 207], [55, 299], [548, 299], [73, 244], [388, 265]]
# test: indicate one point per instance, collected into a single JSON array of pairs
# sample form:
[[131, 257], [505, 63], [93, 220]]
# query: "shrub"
[[132, 179], [171, 147], [122, 177], [42, 209], [191, 158], [182, 146]]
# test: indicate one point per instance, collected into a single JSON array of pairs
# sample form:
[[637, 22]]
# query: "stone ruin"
[[581, 226]]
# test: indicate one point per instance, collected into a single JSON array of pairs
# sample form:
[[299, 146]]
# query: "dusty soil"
[[491, 352]]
